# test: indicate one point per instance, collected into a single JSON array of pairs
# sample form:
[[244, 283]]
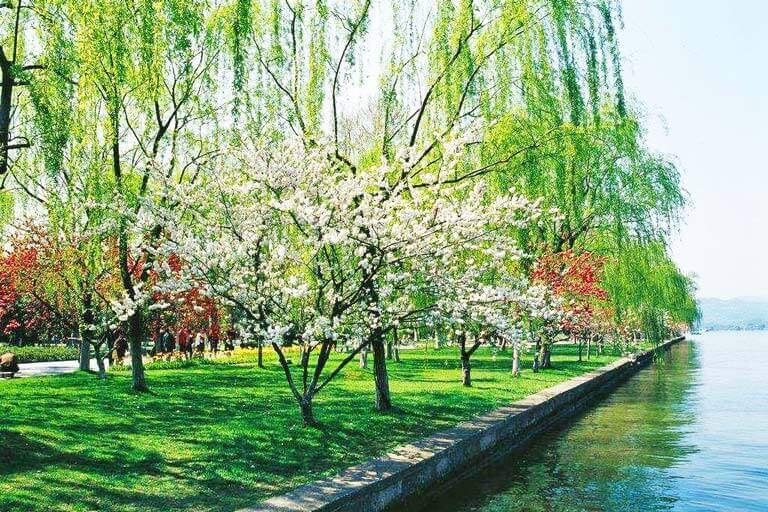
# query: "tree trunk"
[[363, 359], [548, 357], [110, 348], [536, 358], [466, 371], [307, 415], [86, 332], [6, 97], [137, 364], [100, 363], [589, 346], [85, 350], [389, 349], [261, 354], [383, 400], [516, 359], [544, 356]]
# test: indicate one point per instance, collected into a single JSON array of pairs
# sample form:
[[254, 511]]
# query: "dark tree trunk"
[[397, 345], [86, 333], [383, 400], [589, 346], [546, 353], [389, 349], [466, 368], [544, 359], [466, 371], [536, 354], [110, 348], [85, 350], [261, 354], [100, 362], [307, 414], [135, 334], [6, 96]]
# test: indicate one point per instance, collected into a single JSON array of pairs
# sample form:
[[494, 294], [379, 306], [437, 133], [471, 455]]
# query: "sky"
[[700, 70]]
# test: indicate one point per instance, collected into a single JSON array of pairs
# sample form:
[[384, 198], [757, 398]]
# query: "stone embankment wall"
[[412, 471]]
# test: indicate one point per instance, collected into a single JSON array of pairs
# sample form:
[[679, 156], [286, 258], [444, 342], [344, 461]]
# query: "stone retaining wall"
[[412, 471]]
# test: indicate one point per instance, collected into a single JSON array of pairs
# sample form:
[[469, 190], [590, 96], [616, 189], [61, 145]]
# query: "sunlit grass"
[[223, 435]]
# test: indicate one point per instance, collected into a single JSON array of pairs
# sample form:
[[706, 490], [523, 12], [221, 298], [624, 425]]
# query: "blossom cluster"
[[309, 249]]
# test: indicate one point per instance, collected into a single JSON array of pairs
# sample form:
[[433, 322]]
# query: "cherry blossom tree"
[[315, 255]]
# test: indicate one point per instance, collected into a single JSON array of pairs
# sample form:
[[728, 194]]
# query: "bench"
[[6, 375]]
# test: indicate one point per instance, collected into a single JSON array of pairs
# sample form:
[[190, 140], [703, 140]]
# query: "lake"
[[689, 433]]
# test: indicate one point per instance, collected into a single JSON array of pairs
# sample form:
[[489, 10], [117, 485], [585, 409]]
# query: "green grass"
[[219, 436]]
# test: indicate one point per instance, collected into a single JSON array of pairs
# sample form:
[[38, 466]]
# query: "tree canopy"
[[328, 172]]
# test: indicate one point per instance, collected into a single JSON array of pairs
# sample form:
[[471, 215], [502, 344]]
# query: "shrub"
[[32, 354]]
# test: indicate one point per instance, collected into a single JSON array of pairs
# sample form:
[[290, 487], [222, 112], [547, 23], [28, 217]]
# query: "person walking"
[[190, 345], [214, 340], [181, 340], [157, 345], [168, 342], [200, 343], [121, 347], [229, 344]]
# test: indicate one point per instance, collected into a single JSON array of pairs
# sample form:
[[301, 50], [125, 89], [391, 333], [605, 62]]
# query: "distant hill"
[[741, 314]]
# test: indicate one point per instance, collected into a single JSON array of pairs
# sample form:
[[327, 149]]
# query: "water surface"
[[689, 433]]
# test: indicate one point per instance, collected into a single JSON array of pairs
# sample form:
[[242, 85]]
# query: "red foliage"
[[576, 279], [188, 312], [34, 297], [571, 275], [20, 312]]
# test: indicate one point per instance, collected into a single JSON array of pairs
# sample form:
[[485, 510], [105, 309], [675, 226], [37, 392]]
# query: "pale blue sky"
[[700, 67]]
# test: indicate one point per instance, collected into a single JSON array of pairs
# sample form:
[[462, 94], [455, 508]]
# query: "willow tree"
[[123, 103], [556, 123], [147, 69], [16, 68], [593, 167], [55, 176], [648, 291], [537, 85]]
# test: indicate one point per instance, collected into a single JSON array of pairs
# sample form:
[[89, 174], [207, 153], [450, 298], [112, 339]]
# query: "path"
[[48, 368]]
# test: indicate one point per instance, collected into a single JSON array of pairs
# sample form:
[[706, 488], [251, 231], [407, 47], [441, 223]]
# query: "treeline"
[[334, 174]]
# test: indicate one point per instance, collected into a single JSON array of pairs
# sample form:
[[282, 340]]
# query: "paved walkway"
[[49, 368]]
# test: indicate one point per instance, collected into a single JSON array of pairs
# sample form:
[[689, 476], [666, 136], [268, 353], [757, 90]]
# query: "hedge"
[[32, 354]]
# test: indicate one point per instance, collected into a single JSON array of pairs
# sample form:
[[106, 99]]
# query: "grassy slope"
[[222, 436]]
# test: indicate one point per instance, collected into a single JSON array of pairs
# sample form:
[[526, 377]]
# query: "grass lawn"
[[220, 436]]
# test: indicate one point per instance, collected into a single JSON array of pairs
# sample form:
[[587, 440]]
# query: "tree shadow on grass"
[[223, 436]]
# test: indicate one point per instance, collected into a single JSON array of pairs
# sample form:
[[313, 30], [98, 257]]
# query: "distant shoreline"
[[734, 328]]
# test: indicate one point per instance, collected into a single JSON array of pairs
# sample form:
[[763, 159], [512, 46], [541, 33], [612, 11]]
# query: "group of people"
[[190, 343]]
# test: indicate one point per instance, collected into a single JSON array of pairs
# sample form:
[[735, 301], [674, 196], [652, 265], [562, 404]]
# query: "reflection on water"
[[689, 433]]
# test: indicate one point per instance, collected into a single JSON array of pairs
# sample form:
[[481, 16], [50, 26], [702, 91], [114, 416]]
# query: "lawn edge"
[[412, 471]]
